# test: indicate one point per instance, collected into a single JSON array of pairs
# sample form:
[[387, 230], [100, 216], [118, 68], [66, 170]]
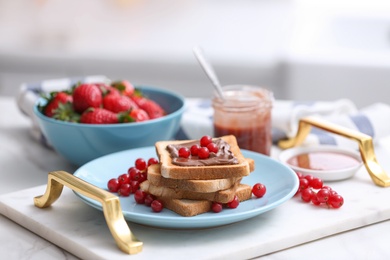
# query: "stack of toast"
[[191, 190]]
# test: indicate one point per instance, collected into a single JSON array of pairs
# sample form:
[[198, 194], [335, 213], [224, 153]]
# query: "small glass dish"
[[330, 163]]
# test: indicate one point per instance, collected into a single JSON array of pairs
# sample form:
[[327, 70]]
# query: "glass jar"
[[245, 112]]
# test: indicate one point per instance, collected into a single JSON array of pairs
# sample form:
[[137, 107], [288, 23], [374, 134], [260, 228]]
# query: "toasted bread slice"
[[189, 208], [221, 196], [209, 172], [155, 178]]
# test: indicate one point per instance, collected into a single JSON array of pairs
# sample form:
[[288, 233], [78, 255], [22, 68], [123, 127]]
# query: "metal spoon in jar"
[[208, 69]]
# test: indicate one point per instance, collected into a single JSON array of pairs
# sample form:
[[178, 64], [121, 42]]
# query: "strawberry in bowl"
[[100, 104], [92, 120]]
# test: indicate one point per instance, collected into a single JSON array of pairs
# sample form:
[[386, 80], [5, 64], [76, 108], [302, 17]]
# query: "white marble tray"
[[81, 230]]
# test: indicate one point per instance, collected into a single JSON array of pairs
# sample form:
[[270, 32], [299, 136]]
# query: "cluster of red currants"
[[202, 150], [312, 190], [258, 190], [129, 183]]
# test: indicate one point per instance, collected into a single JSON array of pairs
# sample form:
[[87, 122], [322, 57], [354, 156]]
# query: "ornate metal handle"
[[366, 146], [124, 238]]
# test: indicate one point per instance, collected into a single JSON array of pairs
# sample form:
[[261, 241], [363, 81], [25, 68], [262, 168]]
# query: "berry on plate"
[[259, 190]]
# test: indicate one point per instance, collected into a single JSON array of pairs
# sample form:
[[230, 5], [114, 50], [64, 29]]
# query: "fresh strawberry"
[[65, 112], [54, 101], [135, 115], [153, 109], [139, 115], [124, 86], [86, 96], [98, 116], [118, 103], [107, 89]]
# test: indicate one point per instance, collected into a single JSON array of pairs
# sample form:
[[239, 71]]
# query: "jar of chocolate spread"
[[245, 112]]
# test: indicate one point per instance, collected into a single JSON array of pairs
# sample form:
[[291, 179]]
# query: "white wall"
[[300, 49], [147, 42]]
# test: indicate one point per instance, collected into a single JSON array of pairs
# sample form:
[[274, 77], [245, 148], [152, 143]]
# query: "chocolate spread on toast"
[[223, 157]]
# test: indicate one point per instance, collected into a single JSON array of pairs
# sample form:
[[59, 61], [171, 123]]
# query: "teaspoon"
[[208, 69]]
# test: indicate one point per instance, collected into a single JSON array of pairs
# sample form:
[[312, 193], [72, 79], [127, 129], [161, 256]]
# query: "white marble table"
[[24, 163]]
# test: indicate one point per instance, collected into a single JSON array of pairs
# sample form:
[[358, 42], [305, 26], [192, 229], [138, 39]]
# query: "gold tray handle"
[[366, 146], [123, 237]]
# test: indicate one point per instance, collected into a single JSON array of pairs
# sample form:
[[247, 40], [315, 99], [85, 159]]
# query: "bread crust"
[[191, 190], [170, 170], [189, 208], [221, 196], [155, 178]]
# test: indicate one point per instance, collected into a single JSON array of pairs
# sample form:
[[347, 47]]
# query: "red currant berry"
[[157, 205], [184, 152], [124, 190], [213, 148], [143, 177], [140, 164], [113, 185], [135, 174], [316, 183], [194, 150], [132, 168], [299, 174], [309, 177], [326, 187], [149, 199], [216, 207], [323, 195], [205, 140], [234, 203], [335, 201], [314, 199], [303, 184], [139, 196], [203, 153], [124, 178], [134, 186], [307, 194], [259, 190], [152, 161]]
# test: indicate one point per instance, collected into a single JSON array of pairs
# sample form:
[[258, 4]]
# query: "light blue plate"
[[280, 180]]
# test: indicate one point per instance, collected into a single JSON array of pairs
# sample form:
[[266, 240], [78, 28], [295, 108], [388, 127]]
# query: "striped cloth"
[[29, 93], [198, 116]]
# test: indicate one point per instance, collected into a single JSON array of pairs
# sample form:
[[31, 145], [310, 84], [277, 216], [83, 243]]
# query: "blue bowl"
[[81, 143]]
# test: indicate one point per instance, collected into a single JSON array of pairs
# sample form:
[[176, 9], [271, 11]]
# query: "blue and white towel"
[[29, 93], [197, 118]]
